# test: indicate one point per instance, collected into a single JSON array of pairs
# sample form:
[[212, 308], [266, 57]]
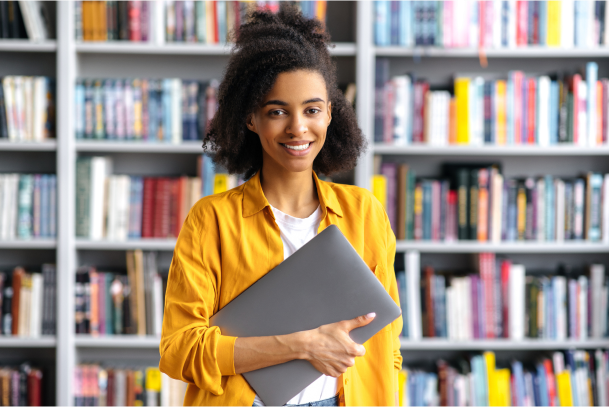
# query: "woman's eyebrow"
[[282, 103]]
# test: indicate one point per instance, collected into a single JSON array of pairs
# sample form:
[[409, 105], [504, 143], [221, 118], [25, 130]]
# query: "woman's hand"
[[331, 350]]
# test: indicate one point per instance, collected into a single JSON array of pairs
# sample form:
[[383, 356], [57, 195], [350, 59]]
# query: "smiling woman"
[[281, 119]]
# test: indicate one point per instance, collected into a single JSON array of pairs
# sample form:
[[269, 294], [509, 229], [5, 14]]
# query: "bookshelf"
[[355, 53]]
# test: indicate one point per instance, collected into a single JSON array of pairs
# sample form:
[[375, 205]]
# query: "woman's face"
[[293, 120]]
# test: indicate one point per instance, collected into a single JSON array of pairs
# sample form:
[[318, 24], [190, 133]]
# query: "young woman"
[[281, 120]]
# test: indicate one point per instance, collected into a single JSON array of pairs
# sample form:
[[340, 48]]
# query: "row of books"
[[492, 109], [500, 300], [27, 108], [115, 303], [25, 20], [120, 207], [572, 378], [21, 385], [491, 24], [170, 110], [476, 202], [28, 206], [97, 385], [28, 301], [208, 22]]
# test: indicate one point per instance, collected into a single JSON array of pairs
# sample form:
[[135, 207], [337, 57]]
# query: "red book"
[[531, 112], [216, 32], [237, 14], [518, 78], [110, 388], [505, 280], [183, 203], [135, 31], [162, 208], [435, 209], [547, 364], [486, 274], [481, 23], [522, 23], [34, 387], [148, 206], [575, 90], [442, 378], [174, 207], [429, 294]]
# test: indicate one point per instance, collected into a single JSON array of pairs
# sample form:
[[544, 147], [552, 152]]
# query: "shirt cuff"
[[226, 355]]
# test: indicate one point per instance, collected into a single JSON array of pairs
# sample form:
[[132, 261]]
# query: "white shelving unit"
[[356, 63]]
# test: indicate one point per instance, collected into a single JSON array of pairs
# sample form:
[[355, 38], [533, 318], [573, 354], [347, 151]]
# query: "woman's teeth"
[[297, 148]]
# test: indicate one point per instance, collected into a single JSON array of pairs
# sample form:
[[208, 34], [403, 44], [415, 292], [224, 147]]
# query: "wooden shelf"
[[28, 244], [117, 341], [439, 344], [28, 46], [186, 147], [144, 244], [341, 49], [503, 247], [524, 52], [520, 150]]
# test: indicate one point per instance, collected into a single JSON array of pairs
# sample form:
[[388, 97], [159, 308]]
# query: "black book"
[[530, 232], [3, 124], [123, 20], [4, 26], [15, 21], [128, 325]]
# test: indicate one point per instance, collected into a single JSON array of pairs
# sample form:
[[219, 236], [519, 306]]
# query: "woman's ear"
[[249, 122], [329, 112]]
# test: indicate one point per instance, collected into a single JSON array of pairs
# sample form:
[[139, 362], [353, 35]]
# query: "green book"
[[463, 203], [25, 195], [200, 21], [83, 196]]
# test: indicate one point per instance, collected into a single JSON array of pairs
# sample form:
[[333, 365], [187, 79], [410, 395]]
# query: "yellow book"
[[402, 379], [379, 189], [462, 101], [500, 94], [563, 382], [502, 383], [553, 25], [489, 361], [521, 207], [320, 11], [220, 183]]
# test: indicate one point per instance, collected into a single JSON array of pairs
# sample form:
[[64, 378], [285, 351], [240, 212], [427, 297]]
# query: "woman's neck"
[[293, 193]]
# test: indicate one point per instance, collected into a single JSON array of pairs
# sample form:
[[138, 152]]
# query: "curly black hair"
[[266, 45]]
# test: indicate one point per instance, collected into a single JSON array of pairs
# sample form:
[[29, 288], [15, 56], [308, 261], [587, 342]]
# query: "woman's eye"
[[273, 113], [315, 109]]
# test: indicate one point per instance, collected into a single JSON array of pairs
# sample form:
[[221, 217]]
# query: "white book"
[[400, 111], [467, 309], [165, 383], [541, 210], [460, 26], [559, 191], [605, 208], [567, 15], [473, 30], [176, 111], [597, 280], [601, 377], [497, 207], [591, 40], [8, 88], [119, 202], [19, 108], [36, 309], [157, 23], [516, 300], [582, 124], [558, 361], [604, 309], [28, 20], [2, 207], [112, 210], [476, 111], [28, 104], [413, 277], [583, 307], [560, 308], [157, 294], [39, 108], [101, 168], [497, 23], [511, 23], [120, 390], [544, 112]]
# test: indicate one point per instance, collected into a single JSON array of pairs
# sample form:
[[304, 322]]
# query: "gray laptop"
[[325, 281]]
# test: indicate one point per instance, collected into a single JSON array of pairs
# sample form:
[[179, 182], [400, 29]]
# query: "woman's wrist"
[[298, 343]]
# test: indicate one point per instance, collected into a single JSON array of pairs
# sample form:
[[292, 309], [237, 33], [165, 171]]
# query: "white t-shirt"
[[295, 232]]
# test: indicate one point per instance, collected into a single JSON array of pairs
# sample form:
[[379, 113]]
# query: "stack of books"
[[114, 303], [491, 24], [207, 22], [28, 301], [27, 108], [493, 109], [25, 20], [476, 202], [97, 385], [21, 385], [28, 206], [169, 110], [500, 300], [575, 378], [133, 207]]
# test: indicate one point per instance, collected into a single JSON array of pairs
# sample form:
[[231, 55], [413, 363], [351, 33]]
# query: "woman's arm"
[[329, 348]]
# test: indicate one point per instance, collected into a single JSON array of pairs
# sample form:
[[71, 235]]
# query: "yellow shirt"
[[228, 242]]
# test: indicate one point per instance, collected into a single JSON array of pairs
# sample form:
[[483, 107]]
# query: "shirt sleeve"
[[396, 326], [190, 350]]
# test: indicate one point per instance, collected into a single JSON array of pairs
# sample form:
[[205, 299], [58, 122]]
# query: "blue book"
[[135, 207], [430, 23], [512, 229], [79, 105], [400, 277], [395, 22], [167, 110], [52, 206], [221, 14], [419, 22], [44, 206], [381, 23], [109, 109], [518, 382], [554, 102], [209, 174], [153, 110], [591, 78], [108, 277], [543, 385], [543, 22], [427, 210], [488, 112], [439, 293], [505, 12], [551, 309], [580, 23], [550, 217], [405, 23]]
